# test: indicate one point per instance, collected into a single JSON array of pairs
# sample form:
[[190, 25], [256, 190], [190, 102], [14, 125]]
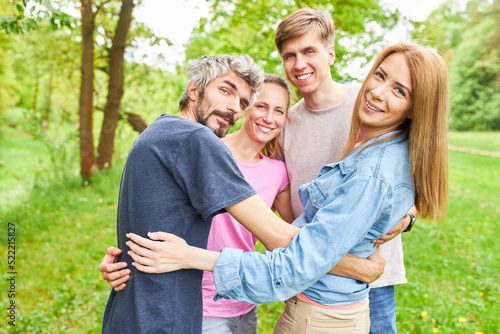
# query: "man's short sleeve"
[[206, 169]]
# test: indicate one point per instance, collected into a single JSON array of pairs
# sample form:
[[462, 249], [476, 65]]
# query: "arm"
[[365, 270], [283, 204], [400, 227], [113, 272], [279, 274], [256, 216], [167, 252]]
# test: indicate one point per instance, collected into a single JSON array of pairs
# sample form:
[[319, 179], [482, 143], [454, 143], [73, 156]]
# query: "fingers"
[[163, 236], [118, 278], [377, 252], [106, 267], [139, 250], [144, 242], [113, 251], [145, 269], [140, 259]]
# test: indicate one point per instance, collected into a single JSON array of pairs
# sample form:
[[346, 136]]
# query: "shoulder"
[[297, 109], [170, 126], [388, 161], [274, 164]]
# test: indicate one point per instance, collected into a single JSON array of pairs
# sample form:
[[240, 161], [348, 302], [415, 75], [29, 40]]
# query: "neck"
[[329, 94], [366, 135], [188, 113], [243, 148]]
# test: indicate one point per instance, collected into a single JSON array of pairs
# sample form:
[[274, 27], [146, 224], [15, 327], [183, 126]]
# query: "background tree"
[[241, 26], [470, 39], [115, 87], [86, 107]]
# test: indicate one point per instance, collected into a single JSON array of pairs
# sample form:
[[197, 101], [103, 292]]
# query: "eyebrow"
[[399, 83], [233, 86]]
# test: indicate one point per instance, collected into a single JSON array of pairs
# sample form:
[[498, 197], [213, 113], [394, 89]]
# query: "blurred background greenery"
[[64, 202]]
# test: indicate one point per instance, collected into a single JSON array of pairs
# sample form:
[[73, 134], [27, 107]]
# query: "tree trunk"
[[137, 122], [115, 86], [87, 156]]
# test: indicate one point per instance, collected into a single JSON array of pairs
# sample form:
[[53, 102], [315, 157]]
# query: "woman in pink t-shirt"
[[256, 147]]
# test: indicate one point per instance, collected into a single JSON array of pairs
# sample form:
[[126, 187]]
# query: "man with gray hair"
[[177, 177]]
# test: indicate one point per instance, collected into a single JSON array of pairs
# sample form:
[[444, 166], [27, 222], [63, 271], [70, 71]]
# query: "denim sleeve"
[[342, 222]]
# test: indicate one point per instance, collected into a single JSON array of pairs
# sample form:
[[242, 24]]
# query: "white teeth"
[[264, 129], [373, 108], [304, 76]]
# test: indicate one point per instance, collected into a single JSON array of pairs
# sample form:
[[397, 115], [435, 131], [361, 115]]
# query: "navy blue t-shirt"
[[177, 177]]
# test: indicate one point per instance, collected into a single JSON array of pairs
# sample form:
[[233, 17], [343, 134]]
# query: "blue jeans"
[[382, 310]]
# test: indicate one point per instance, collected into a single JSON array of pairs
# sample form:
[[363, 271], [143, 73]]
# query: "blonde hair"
[[428, 126], [301, 21], [274, 148]]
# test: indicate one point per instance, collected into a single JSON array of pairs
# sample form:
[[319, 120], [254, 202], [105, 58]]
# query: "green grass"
[[452, 266], [63, 230], [487, 141]]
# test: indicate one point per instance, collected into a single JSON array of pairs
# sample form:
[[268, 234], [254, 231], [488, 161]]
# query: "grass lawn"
[[487, 141], [63, 230]]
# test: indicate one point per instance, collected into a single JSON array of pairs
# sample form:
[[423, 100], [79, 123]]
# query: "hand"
[[377, 264], [164, 253], [400, 227], [112, 271]]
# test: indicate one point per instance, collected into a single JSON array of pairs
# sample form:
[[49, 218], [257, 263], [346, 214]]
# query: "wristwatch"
[[412, 220]]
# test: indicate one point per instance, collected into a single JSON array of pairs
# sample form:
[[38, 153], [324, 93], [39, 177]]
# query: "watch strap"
[[412, 220]]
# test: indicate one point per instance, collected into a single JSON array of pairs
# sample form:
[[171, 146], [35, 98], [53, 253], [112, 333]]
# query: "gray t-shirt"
[[178, 176], [315, 138]]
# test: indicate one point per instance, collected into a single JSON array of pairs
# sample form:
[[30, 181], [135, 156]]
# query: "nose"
[[268, 116], [234, 105], [234, 108], [299, 62], [379, 91]]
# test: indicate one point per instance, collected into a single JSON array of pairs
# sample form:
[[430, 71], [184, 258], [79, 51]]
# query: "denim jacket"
[[349, 204]]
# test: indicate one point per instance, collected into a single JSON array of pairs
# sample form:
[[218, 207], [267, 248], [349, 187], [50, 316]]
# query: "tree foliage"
[[25, 15], [242, 26], [470, 40]]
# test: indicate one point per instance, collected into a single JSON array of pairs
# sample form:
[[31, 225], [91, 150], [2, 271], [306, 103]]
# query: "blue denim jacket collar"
[[348, 163]]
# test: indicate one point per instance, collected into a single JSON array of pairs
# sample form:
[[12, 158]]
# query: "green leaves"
[[241, 26], [24, 20], [468, 37]]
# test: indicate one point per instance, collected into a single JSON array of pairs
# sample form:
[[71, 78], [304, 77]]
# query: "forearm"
[[355, 267], [202, 259], [256, 216]]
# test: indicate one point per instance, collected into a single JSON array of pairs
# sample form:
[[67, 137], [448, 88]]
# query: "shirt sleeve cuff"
[[226, 276]]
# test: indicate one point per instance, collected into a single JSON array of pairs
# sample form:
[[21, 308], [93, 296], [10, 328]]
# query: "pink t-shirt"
[[268, 177]]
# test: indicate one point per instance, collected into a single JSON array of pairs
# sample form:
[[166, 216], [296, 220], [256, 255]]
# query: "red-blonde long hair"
[[428, 127]]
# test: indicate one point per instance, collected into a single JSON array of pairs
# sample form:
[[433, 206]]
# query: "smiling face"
[[387, 101], [307, 61], [222, 102], [265, 119]]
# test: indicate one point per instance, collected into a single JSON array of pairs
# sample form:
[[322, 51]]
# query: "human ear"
[[331, 55], [193, 91]]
